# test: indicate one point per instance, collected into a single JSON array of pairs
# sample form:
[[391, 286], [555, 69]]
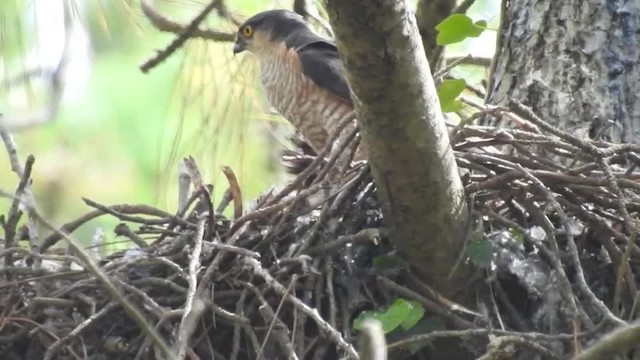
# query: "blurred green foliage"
[[118, 136]]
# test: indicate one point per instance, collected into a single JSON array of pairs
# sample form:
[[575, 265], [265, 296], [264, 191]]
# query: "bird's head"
[[266, 28]]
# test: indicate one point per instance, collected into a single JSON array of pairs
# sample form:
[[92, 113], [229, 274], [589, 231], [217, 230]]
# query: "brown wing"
[[320, 62]]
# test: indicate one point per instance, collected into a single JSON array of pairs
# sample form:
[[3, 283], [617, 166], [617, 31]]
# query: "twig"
[[196, 194], [235, 348], [470, 60], [306, 172], [270, 210], [19, 198], [122, 212], [184, 32], [304, 308], [23, 194], [123, 229], [630, 226], [193, 306], [447, 314], [365, 235], [236, 193], [224, 202], [526, 112], [339, 152], [204, 191], [431, 336], [498, 348], [617, 342], [272, 317], [333, 308], [450, 65], [83, 326]]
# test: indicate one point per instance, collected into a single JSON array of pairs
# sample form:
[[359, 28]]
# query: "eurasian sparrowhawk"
[[301, 73]]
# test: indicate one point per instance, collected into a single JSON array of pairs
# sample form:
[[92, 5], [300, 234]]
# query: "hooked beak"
[[238, 46]]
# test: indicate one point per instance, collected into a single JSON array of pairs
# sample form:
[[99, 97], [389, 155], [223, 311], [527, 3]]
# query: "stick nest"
[[287, 278]]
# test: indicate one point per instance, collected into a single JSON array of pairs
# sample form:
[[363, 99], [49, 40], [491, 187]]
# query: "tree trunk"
[[403, 128], [575, 62]]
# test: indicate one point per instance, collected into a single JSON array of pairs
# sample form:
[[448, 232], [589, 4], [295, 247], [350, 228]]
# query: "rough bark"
[[575, 62], [404, 131]]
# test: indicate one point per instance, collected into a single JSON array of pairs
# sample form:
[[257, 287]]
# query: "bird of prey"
[[301, 72]]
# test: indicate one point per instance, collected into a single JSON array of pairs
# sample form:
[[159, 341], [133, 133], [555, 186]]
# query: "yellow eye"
[[247, 31]]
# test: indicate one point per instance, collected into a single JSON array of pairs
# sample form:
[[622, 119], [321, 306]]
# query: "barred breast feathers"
[[313, 110]]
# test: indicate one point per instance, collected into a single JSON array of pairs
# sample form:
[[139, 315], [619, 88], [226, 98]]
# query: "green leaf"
[[458, 27], [480, 252], [400, 311], [416, 311], [516, 234], [386, 262], [395, 315], [448, 91]]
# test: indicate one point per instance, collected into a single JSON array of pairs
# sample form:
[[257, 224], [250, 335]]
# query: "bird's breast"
[[313, 110]]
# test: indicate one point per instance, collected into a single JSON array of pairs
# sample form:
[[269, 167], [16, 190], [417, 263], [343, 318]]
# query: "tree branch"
[[403, 127], [165, 24], [617, 342]]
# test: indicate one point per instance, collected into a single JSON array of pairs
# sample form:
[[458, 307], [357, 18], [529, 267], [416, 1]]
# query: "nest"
[[287, 278]]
